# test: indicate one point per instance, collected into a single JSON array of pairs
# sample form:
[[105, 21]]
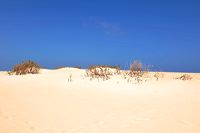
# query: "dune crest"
[[48, 103]]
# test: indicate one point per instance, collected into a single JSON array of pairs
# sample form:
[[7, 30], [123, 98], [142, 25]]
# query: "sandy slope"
[[47, 103]]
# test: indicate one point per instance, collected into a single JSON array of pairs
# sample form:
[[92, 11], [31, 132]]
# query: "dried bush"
[[158, 75], [59, 67], [102, 71], [104, 66], [78, 67], [136, 73], [9, 72], [26, 68], [136, 69], [125, 74], [70, 78], [184, 77]]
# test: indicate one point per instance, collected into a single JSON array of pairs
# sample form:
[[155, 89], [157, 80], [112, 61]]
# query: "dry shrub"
[[78, 67], [98, 72], [136, 69], [70, 78], [26, 68], [184, 77], [102, 71], [10, 72], [104, 66], [136, 72], [158, 75], [60, 67], [125, 74]]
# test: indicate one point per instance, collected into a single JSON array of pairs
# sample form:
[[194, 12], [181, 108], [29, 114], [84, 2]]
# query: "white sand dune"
[[48, 103]]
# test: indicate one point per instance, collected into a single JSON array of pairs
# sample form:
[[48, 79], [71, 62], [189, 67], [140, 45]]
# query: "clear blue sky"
[[54, 33]]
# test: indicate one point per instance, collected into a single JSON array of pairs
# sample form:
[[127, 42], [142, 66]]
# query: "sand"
[[48, 103]]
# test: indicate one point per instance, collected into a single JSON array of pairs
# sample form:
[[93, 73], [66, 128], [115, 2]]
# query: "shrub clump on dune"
[[136, 72], [184, 77], [102, 71], [104, 66], [136, 69], [26, 67], [61, 67]]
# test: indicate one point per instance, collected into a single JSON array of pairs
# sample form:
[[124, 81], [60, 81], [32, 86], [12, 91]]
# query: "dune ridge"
[[48, 103]]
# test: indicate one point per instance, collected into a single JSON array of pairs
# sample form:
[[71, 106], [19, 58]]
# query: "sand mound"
[[48, 103]]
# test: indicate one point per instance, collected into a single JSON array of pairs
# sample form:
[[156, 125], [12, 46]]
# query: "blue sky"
[[165, 34]]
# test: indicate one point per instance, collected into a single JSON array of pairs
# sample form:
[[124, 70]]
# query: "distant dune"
[[49, 102]]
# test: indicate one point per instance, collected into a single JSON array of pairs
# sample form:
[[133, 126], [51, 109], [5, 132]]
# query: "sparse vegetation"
[[70, 78], [136, 68], [184, 77], [98, 72], [60, 67], [105, 72], [102, 71], [136, 71], [26, 67], [104, 66], [158, 75], [78, 67], [9, 72]]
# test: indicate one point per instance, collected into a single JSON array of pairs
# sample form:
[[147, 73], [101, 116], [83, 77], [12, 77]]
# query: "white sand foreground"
[[48, 103]]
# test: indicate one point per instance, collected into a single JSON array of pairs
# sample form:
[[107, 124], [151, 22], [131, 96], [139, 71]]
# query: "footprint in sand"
[[1, 113], [8, 117], [125, 125], [56, 130], [100, 123], [185, 123], [137, 120], [31, 126], [142, 119]]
